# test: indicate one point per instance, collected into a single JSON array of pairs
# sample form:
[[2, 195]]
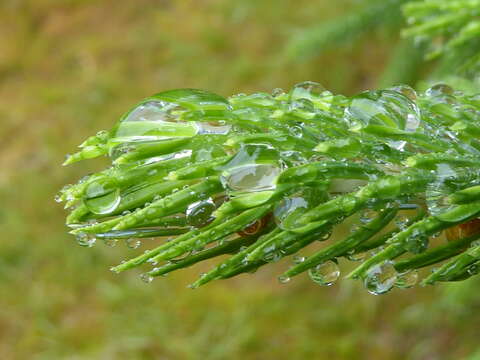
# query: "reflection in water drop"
[[407, 279], [325, 274], [84, 239], [306, 90], [147, 278], [439, 90], [219, 128], [199, 213], [251, 177], [386, 108], [380, 278], [133, 243], [102, 196]]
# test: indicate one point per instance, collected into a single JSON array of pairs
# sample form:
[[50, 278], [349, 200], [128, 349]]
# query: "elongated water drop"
[[438, 190], [325, 274], [380, 278], [102, 195], [218, 128], [252, 177]]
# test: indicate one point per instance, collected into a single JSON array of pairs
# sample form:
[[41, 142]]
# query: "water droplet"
[[102, 196], [296, 131], [133, 243], [417, 242], [147, 278], [84, 239], [291, 208], [293, 158], [277, 92], [386, 108], [325, 274], [367, 215], [380, 278], [473, 269], [58, 198], [298, 259], [218, 128], [439, 90], [325, 236], [283, 279], [252, 177], [153, 121], [200, 213], [407, 279], [110, 242], [306, 90], [438, 190], [406, 90], [357, 256], [401, 222]]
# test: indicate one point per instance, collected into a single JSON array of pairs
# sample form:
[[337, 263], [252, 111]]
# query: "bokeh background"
[[70, 68]]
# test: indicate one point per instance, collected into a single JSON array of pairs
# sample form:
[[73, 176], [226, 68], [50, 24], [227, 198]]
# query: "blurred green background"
[[70, 68]]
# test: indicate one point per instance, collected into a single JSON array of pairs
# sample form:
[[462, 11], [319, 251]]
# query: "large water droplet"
[[437, 191], [380, 278], [386, 108], [325, 274], [306, 90], [199, 213], [152, 121], [218, 128], [251, 177], [102, 195], [291, 208], [417, 242]]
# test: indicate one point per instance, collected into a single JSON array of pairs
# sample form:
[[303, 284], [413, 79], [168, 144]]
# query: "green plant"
[[262, 176], [444, 32]]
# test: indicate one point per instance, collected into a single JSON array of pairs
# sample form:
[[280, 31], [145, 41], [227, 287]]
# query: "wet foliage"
[[261, 177]]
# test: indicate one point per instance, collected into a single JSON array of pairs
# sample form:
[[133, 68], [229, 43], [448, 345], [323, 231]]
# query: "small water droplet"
[[110, 242], [277, 92], [84, 239], [298, 259], [283, 279], [147, 278], [407, 279], [325, 274], [133, 243]]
